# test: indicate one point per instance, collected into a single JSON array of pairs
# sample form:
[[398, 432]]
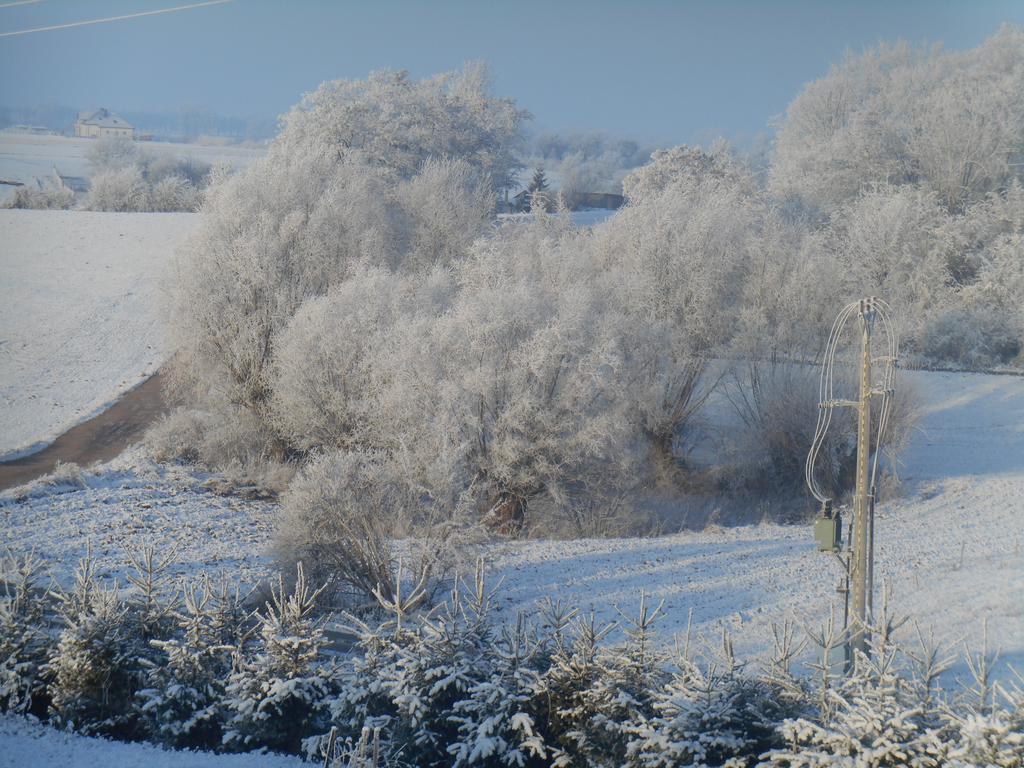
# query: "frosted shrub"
[[229, 439], [118, 190], [277, 698], [341, 516], [517, 379], [112, 154], [176, 436], [173, 193], [330, 367], [25, 643], [48, 197], [777, 405]]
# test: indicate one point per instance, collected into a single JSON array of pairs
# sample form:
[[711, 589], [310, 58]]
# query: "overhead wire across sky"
[[88, 22]]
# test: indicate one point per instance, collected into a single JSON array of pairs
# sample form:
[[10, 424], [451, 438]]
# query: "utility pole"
[[858, 554], [861, 562]]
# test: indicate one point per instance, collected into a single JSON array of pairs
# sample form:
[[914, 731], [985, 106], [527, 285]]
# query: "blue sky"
[[665, 72]]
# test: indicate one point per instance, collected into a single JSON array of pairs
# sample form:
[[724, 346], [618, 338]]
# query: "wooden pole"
[[861, 565]]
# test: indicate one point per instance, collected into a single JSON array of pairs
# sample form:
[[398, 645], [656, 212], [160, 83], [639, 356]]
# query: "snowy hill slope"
[[78, 314], [951, 548]]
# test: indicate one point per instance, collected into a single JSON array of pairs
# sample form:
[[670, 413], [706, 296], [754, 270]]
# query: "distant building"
[[101, 123]]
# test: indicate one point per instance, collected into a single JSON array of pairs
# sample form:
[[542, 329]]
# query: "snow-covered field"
[[950, 549], [24, 157], [78, 314], [24, 744]]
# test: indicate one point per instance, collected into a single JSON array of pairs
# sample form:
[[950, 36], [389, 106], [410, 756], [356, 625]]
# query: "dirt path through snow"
[[101, 438]]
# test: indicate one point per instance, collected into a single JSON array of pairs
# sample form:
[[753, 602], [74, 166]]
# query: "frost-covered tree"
[[344, 185], [329, 371], [952, 122], [516, 380], [676, 259], [398, 123]]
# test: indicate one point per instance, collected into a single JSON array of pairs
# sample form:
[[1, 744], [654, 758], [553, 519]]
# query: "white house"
[[101, 123]]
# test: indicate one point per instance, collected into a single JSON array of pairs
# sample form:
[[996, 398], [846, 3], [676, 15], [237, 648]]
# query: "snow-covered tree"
[[877, 717], [896, 115], [676, 259], [277, 698], [187, 680], [97, 665], [398, 123], [25, 642], [516, 380]]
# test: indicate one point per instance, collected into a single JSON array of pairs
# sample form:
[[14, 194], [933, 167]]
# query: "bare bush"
[[777, 406], [343, 516]]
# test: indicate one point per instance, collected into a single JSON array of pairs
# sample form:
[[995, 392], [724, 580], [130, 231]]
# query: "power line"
[[19, 2], [110, 18]]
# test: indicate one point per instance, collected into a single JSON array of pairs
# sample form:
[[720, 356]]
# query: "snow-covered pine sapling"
[[988, 717], [438, 669], [875, 718], [277, 698], [95, 669], [182, 706], [571, 676], [620, 693], [708, 714], [789, 694], [498, 720], [154, 600], [25, 643]]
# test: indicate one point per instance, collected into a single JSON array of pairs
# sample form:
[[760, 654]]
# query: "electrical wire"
[[826, 387]]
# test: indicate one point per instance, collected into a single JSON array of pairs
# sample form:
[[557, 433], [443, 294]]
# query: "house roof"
[[104, 118]]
